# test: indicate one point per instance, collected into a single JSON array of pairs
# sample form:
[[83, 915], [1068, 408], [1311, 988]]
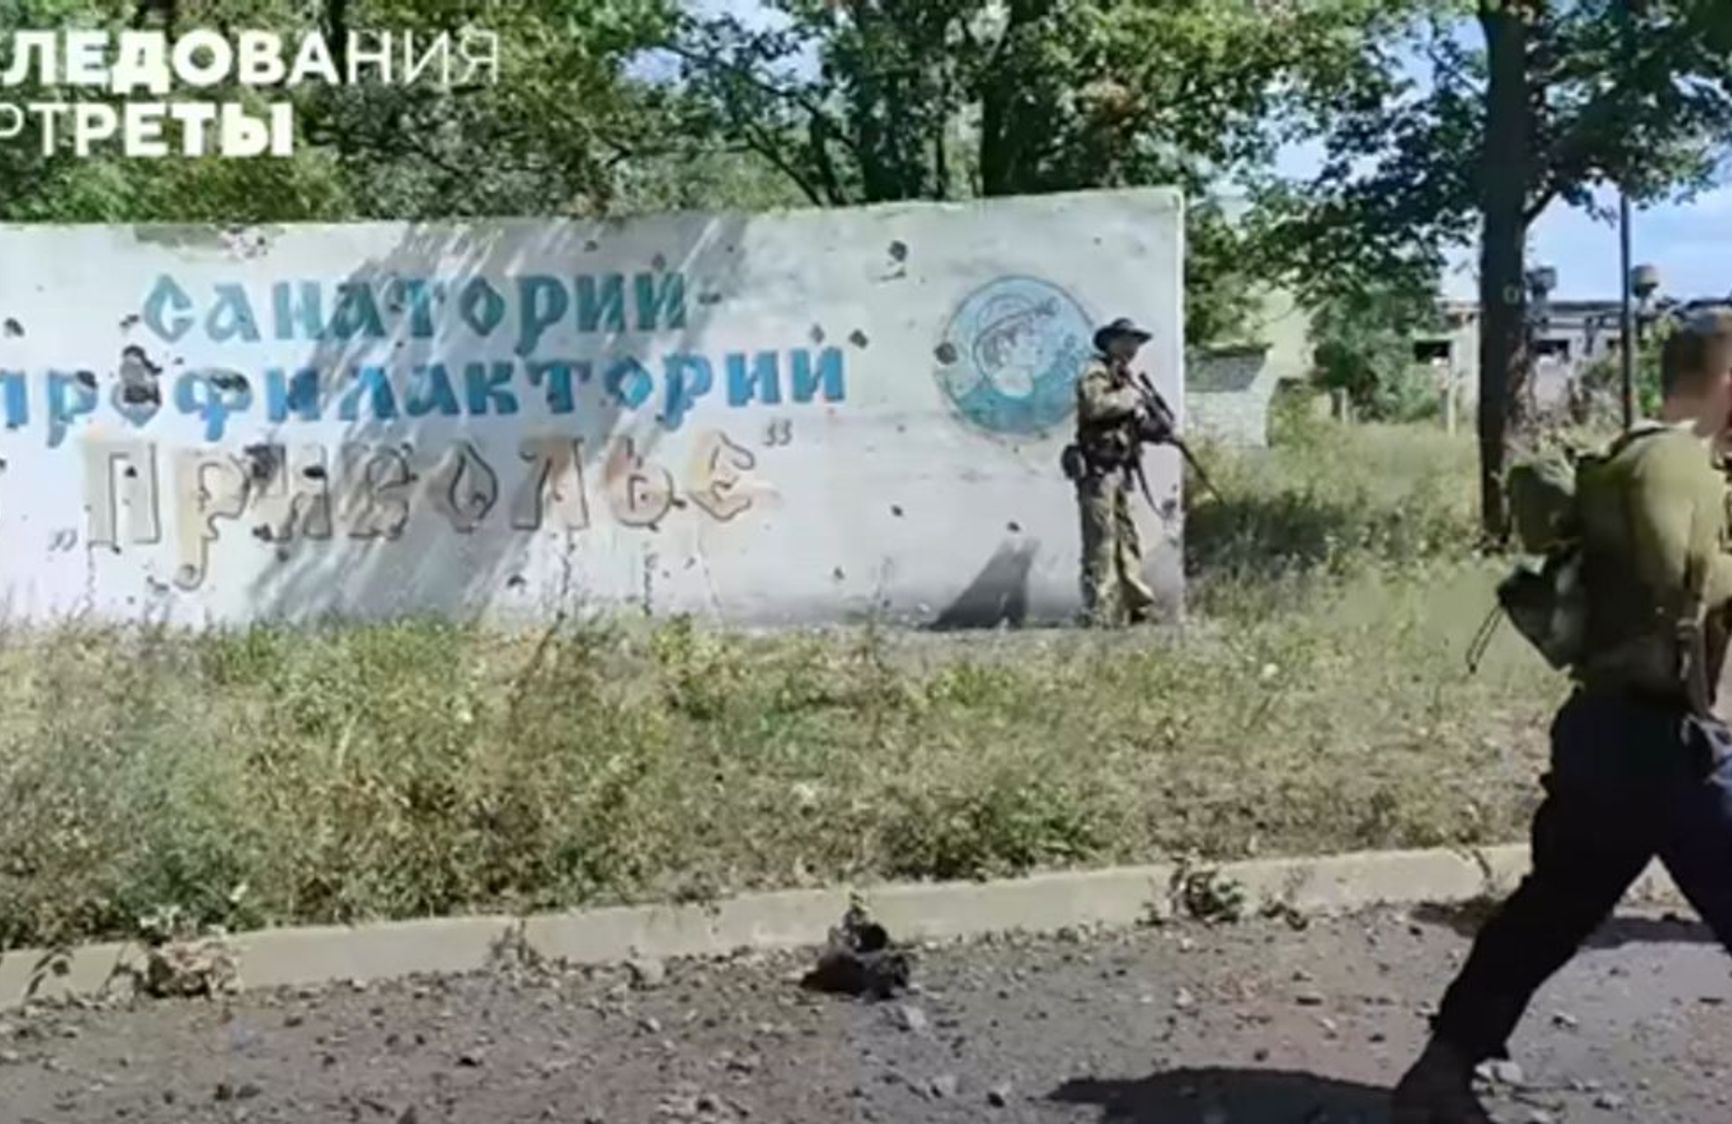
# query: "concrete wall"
[[1578, 328], [800, 417], [1230, 389], [1229, 394]]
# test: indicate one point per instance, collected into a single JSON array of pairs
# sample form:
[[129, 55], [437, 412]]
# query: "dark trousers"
[[1630, 780]]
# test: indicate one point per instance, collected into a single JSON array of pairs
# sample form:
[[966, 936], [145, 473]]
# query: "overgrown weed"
[[263, 776]]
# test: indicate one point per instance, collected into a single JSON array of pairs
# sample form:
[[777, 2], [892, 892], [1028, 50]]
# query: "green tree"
[[1556, 98], [1604, 377], [550, 137], [862, 101], [1363, 346]]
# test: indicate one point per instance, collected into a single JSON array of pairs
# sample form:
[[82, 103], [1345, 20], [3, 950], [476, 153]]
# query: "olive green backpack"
[[1543, 596]]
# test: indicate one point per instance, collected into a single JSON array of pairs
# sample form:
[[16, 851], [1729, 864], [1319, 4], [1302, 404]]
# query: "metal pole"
[[1627, 330]]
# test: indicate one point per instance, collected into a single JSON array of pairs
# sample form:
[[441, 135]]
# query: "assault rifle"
[[1158, 427]]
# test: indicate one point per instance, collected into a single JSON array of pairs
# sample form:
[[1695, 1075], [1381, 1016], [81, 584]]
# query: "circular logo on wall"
[[1011, 355]]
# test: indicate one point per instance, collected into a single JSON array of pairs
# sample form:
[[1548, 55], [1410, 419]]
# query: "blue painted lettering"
[[545, 303], [486, 383], [166, 294], [688, 376], [17, 398], [69, 397], [557, 374], [232, 317], [429, 392], [213, 395], [357, 313], [298, 395], [628, 381], [829, 374], [375, 382], [420, 297], [307, 311], [601, 304], [481, 307], [665, 309], [762, 380]]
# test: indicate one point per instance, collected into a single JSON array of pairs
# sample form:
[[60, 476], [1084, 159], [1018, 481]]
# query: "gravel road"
[[1255, 1022]]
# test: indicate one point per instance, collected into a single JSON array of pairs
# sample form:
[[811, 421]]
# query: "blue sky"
[[1690, 243]]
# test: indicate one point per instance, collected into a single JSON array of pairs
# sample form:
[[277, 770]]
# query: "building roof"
[[1593, 305]]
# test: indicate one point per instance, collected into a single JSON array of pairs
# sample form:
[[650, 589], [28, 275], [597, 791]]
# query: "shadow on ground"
[[1193, 1096], [1670, 928]]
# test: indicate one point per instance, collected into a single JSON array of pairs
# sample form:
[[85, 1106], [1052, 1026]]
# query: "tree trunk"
[[995, 139], [1505, 162]]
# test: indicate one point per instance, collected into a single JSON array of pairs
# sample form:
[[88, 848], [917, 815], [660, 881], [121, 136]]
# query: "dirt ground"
[[1179, 1025]]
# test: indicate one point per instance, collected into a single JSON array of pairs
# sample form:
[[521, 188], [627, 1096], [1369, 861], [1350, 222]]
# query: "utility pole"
[[1541, 281], [1644, 282], [1627, 328], [1627, 332]]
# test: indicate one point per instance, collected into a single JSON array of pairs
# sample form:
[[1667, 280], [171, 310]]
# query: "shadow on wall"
[[998, 594], [444, 514], [1201, 1096]]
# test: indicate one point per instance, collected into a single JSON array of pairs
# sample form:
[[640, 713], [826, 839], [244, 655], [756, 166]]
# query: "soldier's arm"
[[1677, 514], [1099, 403]]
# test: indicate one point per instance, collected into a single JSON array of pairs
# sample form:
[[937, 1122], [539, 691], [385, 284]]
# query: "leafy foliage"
[[1363, 341], [1403, 168], [872, 100], [548, 138], [1604, 377], [1561, 97], [818, 102]]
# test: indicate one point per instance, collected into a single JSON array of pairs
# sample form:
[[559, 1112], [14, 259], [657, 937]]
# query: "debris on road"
[[647, 973], [860, 960], [1017, 1029]]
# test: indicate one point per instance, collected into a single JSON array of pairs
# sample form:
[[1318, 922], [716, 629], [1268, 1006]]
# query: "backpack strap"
[[1481, 641], [1644, 428], [1482, 638]]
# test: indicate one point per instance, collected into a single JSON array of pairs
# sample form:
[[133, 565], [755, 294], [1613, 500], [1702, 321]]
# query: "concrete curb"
[[1115, 898]]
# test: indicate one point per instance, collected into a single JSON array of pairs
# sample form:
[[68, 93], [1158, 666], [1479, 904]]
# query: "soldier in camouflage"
[[1109, 427], [1640, 767]]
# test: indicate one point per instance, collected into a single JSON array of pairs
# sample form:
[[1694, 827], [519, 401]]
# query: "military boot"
[[1438, 1090]]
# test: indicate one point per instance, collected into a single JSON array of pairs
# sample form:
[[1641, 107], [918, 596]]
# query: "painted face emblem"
[[1011, 355]]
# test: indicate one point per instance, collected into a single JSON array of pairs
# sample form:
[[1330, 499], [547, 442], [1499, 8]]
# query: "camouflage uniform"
[[1108, 408]]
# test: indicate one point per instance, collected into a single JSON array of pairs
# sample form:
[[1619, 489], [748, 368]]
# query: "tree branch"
[[817, 128], [1567, 158], [1451, 70], [746, 75], [1540, 202], [765, 145]]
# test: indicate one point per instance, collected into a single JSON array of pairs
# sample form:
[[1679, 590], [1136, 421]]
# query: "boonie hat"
[[1120, 327]]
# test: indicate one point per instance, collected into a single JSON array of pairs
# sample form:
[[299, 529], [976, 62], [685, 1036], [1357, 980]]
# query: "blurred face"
[[1721, 406], [1719, 389], [1124, 348]]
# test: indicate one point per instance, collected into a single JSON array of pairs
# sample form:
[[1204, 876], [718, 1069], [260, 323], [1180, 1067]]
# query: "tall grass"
[[1317, 701]]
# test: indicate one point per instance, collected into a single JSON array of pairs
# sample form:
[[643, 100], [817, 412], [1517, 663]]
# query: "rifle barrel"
[[1202, 477], [1159, 406]]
